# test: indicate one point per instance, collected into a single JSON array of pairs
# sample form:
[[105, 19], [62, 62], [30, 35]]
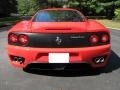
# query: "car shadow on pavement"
[[114, 64]]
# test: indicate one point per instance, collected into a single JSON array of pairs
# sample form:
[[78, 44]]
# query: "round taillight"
[[23, 39], [93, 39], [13, 38], [104, 38]]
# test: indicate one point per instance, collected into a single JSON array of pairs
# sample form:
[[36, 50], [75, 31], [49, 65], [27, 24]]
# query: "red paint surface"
[[40, 55]]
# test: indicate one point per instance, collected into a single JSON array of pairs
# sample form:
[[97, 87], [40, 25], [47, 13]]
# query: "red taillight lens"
[[23, 39], [13, 38], [94, 39], [105, 38]]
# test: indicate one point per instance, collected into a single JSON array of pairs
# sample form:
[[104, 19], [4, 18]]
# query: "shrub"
[[117, 14]]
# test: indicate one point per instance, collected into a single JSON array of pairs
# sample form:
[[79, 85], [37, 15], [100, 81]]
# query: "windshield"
[[58, 16]]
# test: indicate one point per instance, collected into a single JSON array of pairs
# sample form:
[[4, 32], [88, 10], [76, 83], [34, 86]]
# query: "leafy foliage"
[[117, 14], [88, 7], [27, 7]]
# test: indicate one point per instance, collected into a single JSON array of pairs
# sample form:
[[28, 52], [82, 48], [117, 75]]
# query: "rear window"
[[58, 16]]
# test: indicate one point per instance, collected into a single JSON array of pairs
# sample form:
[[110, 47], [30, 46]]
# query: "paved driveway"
[[17, 79]]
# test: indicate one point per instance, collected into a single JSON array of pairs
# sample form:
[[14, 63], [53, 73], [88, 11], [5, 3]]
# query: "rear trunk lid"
[[58, 27]]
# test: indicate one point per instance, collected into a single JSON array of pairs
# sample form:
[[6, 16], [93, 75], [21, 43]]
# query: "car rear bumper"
[[40, 55]]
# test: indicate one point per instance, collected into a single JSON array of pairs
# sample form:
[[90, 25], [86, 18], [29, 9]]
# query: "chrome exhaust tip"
[[99, 60], [102, 59], [18, 59], [15, 58]]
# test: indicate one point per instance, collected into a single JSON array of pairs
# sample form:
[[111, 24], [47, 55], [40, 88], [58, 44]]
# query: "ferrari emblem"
[[58, 40]]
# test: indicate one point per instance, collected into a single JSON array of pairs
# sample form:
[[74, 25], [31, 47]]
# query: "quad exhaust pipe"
[[18, 59], [99, 60]]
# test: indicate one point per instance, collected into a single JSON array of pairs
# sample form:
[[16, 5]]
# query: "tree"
[[33, 6], [88, 7], [27, 7]]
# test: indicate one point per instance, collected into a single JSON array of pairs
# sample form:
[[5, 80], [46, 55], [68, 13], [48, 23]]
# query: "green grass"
[[8, 21], [110, 23]]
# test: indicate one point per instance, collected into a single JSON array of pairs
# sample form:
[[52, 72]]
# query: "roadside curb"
[[113, 28]]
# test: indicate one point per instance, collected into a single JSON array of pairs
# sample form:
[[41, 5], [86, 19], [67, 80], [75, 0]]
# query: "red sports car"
[[58, 36]]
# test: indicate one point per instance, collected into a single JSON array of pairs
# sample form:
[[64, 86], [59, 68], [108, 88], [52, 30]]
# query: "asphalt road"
[[17, 79]]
